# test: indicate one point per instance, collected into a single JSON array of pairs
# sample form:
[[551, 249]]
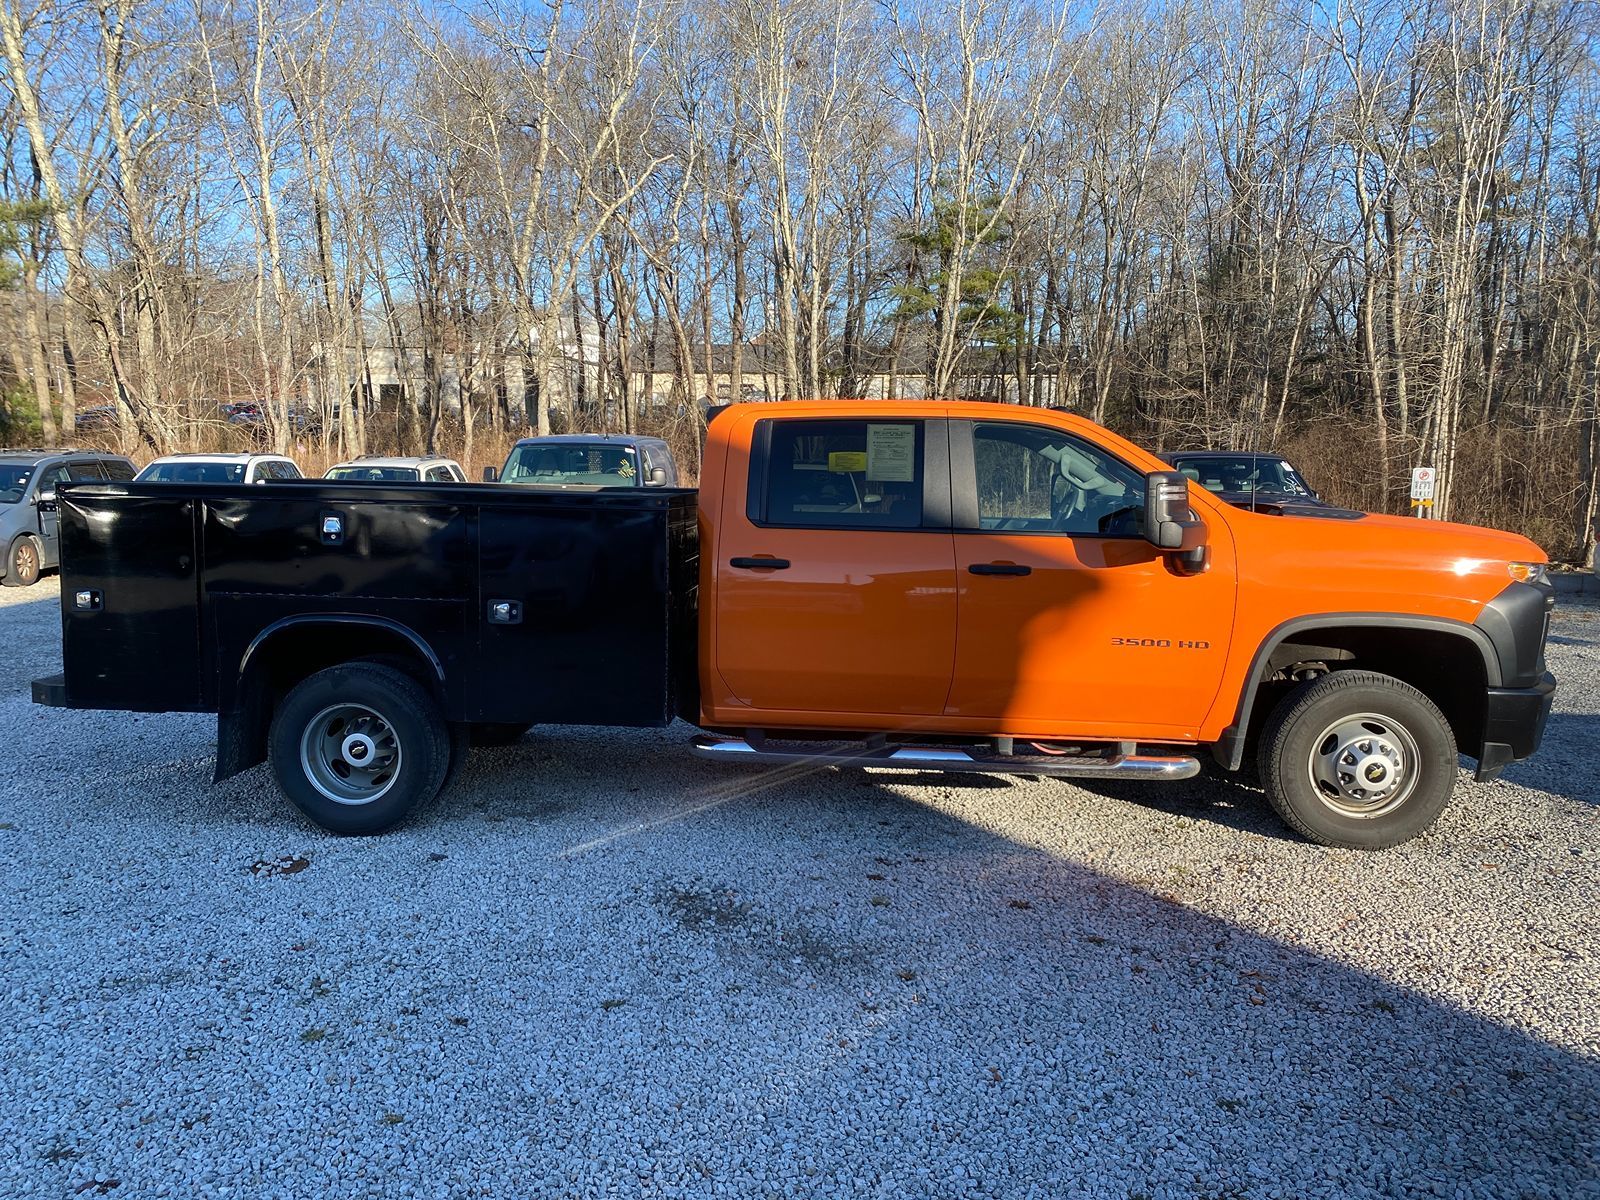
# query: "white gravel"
[[602, 968]]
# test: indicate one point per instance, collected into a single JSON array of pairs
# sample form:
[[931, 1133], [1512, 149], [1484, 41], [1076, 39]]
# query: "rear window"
[[374, 474], [192, 472], [600, 464], [845, 474], [117, 468]]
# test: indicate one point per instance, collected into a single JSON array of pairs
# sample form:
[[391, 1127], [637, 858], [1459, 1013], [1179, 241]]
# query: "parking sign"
[[1423, 480]]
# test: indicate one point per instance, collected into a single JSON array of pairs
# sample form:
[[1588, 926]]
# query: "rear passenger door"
[[835, 582]]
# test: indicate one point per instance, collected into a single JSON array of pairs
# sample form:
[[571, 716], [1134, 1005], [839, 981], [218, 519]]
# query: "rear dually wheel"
[[356, 747]]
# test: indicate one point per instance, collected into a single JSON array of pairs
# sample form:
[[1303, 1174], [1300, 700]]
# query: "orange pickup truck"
[[937, 586]]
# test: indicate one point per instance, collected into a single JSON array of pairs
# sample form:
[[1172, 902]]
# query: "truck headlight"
[[1528, 572]]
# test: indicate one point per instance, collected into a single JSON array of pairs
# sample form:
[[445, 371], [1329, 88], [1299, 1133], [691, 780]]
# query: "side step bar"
[[946, 758]]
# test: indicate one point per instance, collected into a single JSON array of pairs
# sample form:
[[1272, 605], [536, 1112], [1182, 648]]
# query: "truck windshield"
[[192, 472], [594, 465], [1246, 473], [374, 474], [14, 481]]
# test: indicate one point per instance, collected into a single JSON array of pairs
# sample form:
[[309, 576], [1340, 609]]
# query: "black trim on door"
[[936, 475], [999, 569], [963, 477], [755, 507]]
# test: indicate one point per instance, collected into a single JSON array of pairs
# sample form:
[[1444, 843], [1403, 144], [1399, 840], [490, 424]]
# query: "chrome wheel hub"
[[350, 753], [1364, 765]]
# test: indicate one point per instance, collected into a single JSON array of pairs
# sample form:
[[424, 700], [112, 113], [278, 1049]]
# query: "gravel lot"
[[600, 968]]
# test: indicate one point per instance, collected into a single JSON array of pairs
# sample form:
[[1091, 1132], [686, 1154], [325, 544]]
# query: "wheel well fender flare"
[[305, 620], [243, 713], [1230, 746]]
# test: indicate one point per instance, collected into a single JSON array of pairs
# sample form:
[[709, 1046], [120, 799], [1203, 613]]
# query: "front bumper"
[[1513, 724]]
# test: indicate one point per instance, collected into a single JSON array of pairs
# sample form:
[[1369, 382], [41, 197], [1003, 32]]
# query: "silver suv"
[[28, 529], [376, 468]]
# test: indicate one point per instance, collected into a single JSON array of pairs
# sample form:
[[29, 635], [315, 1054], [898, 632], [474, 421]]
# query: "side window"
[[845, 474], [48, 478], [287, 470], [117, 469], [85, 470], [439, 475], [1037, 480]]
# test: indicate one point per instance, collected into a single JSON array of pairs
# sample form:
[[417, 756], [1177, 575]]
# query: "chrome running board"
[[945, 758]]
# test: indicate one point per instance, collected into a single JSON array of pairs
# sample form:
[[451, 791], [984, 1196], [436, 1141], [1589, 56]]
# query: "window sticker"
[[847, 462], [892, 453]]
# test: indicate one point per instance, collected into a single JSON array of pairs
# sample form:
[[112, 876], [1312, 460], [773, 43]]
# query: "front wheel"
[[24, 562], [1358, 760], [356, 747]]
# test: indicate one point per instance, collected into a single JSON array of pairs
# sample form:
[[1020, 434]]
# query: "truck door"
[[1070, 622], [835, 580]]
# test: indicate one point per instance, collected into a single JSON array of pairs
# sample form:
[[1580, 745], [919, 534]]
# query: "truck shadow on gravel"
[[907, 997], [1146, 1046]]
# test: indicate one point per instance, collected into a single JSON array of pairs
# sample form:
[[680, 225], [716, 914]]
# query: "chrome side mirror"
[[658, 477]]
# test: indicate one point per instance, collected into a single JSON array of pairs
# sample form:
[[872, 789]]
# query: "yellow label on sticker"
[[847, 462]]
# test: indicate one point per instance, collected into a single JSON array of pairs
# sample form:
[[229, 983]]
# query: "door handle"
[[760, 564], [1000, 569]]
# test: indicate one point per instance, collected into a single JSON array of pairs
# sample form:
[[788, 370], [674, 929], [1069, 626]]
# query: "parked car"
[[373, 468], [1248, 480], [29, 530], [219, 468], [918, 585], [588, 460]]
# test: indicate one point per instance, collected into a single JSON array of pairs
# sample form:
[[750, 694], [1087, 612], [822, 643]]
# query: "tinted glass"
[[287, 470], [14, 481], [440, 475], [48, 479], [1037, 480], [1244, 473], [85, 470], [116, 468], [192, 472], [600, 464], [845, 474], [374, 474]]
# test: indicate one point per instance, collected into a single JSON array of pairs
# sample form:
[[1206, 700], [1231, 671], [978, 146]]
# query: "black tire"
[[483, 733], [24, 561], [403, 726], [1357, 760]]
